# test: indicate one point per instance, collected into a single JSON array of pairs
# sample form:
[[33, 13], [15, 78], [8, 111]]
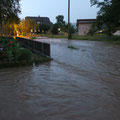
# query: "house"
[[40, 20], [84, 25]]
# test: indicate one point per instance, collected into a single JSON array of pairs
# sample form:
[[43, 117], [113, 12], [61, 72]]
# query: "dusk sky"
[[80, 9]]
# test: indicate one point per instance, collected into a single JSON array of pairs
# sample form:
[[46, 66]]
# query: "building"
[[84, 25], [40, 20]]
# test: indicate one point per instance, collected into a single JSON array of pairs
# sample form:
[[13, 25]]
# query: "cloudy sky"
[[80, 9]]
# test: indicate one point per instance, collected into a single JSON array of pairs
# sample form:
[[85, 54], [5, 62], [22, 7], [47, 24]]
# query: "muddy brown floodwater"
[[82, 84]]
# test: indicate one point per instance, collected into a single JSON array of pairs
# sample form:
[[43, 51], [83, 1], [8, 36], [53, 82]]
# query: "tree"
[[9, 10], [10, 28], [55, 28], [27, 25], [60, 20], [42, 28], [93, 29], [108, 15], [116, 12], [72, 30], [7, 29]]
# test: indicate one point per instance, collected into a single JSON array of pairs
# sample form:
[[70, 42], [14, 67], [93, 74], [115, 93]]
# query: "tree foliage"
[[108, 16], [61, 27], [27, 25], [93, 29], [55, 28], [9, 9], [65, 29], [60, 20], [43, 28]]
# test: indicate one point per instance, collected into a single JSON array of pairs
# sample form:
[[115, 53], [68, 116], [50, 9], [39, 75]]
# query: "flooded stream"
[[81, 84]]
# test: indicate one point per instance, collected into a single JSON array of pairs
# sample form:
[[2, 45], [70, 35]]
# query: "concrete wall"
[[83, 29]]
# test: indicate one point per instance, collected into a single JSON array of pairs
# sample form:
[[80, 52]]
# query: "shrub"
[[55, 29], [12, 52], [23, 55]]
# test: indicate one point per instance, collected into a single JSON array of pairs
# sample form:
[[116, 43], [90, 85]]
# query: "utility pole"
[[68, 19]]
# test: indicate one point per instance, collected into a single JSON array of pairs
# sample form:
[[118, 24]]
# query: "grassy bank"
[[101, 37], [51, 36]]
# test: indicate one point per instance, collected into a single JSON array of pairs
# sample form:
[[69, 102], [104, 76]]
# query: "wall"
[[35, 46], [83, 29]]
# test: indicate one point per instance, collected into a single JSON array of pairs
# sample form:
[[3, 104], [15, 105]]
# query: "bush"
[[11, 51], [55, 29], [23, 55]]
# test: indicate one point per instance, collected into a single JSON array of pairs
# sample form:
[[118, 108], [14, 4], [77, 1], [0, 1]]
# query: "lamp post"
[[68, 19]]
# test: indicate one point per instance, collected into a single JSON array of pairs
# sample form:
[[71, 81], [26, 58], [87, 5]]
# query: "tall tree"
[[9, 10], [27, 25], [116, 12], [60, 20], [108, 15]]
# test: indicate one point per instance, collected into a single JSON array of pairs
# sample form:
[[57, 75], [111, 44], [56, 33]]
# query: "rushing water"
[[82, 84]]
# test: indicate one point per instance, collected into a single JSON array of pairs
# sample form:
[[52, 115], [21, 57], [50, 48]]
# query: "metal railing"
[[35, 46]]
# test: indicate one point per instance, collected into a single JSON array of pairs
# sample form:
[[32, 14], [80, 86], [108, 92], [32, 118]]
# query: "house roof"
[[44, 20], [85, 21]]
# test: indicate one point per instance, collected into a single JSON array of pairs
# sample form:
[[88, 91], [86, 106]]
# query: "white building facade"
[[84, 25]]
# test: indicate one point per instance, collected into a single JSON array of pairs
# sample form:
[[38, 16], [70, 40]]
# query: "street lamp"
[[68, 19]]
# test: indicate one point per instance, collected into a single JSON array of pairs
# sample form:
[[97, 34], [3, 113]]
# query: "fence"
[[35, 46]]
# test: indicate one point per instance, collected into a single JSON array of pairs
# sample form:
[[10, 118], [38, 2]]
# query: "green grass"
[[52, 36], [99, 37], [102, 38], [32, 38]]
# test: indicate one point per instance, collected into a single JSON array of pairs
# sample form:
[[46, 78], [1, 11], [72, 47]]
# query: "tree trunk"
[[1, 31], [69, 19]]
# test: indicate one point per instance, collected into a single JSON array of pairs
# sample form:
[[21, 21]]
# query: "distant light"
[[17, 33], [59, 29]]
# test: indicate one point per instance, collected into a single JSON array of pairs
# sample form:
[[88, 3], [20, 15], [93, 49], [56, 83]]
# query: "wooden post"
[[68, 19]]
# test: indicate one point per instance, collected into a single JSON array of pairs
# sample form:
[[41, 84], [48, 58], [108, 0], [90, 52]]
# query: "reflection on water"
[[79, 84]]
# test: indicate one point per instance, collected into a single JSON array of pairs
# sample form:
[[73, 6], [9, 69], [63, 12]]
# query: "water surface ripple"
[[81, 84]]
